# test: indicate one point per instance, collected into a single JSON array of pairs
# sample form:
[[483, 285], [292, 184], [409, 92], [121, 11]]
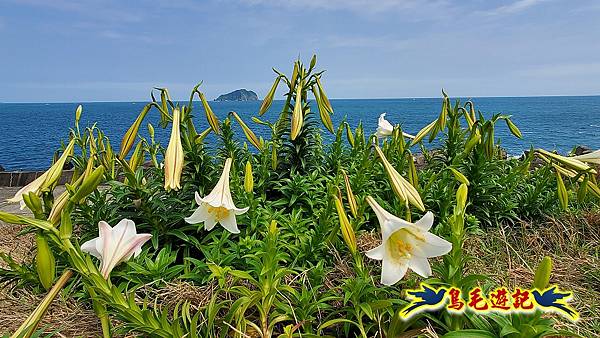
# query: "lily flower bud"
[[563, 195], [174, 156], [350, 195], [268, 100], [459, 176], [513, 128], [349, 135], [210, 115], [151, 131], [89, 184], [542, 274], [132, 132], [413, 177], [248, 178], [323, 112], [423, 132], [56, 169], [78, 113], [461, 197], [274, 157], [297, 114], [45, 262], [403, 189], [248, 132], [345, 226]]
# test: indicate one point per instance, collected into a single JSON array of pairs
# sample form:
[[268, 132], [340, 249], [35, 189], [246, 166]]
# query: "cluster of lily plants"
[[286, 236]]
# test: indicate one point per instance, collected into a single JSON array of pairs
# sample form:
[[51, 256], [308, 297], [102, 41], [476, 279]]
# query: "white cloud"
[[515, 7]]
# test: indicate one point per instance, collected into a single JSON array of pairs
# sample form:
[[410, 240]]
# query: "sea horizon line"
[[332, 99]]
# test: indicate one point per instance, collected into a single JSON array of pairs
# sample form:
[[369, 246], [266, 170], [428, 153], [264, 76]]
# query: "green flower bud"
[[248, 178], [542, 274], [88, 185], [45, 262], [461, 197], [563, 195]]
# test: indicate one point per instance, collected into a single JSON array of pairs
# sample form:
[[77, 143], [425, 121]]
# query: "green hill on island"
[[238, 95]]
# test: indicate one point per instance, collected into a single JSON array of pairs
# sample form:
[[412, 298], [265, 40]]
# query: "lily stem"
[[30, 324]]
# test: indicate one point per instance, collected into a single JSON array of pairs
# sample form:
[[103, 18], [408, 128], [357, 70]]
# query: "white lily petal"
[[384, 128], [230, 224], [198, 198], [105, 233], [420, 265], [134, 247], [115, 245], [218, 206], [405, 245], [376, 253], [126, 227], [408, 135], [90, 247], [199, 215], [33, 186], [434, 246], [209, 223], [388, 222], [426, 222], [593, 157], [392, 272], [240, 211]]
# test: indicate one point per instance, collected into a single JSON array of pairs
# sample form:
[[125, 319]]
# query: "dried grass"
[[511, 254], [67, 317]]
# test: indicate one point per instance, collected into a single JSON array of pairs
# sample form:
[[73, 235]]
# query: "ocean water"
[[31, 132]]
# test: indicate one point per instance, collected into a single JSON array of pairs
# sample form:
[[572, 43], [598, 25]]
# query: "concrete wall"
[[21, 178]]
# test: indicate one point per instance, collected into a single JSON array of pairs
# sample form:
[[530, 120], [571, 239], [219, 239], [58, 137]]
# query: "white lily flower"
[[385, 128], [115, 245], [34, 186], [593, 157], [405, 245], [218, 206]]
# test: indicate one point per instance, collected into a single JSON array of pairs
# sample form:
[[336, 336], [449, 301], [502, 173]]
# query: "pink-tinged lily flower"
[[218, 206], [405, 245], [115, 245], [385, 128]]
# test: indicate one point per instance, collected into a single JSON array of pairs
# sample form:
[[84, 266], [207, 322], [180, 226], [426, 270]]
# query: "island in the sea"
[[238, 95]]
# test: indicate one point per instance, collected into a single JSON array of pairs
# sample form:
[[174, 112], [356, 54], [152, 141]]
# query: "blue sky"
[[58, 50]]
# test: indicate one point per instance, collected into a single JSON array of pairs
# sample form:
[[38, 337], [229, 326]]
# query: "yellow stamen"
[[219, 212], [399, 244]]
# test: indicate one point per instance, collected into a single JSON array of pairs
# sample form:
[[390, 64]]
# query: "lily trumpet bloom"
[[593, 157], [174, 155], [115, 245], [385, 128], [405, 245], [34, 186], [218, 206]]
